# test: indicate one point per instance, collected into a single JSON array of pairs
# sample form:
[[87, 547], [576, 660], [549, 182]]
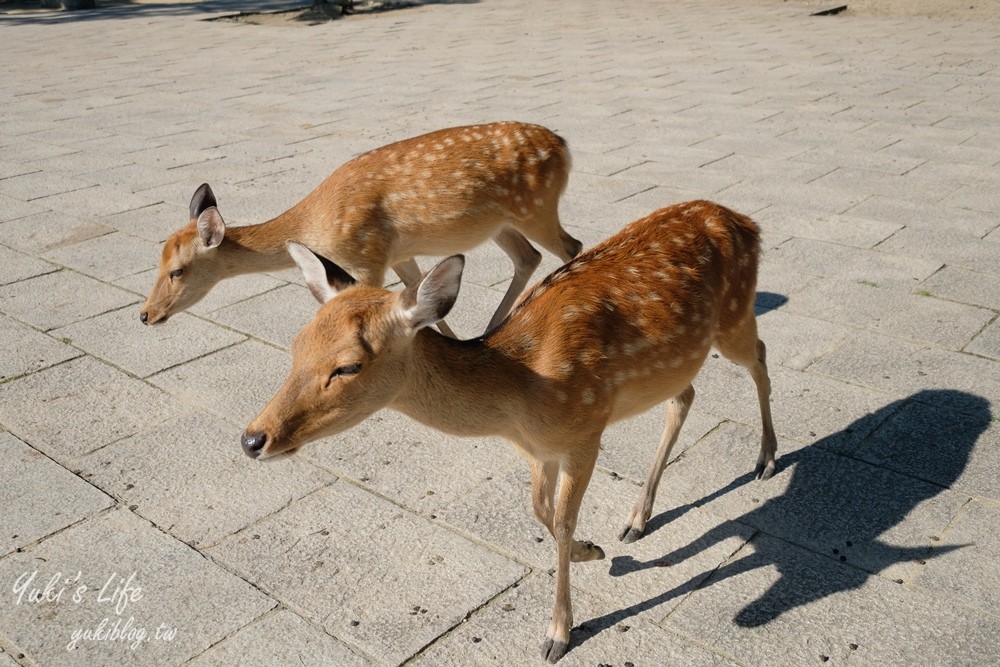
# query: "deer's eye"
[[342, 371], [176, 273]]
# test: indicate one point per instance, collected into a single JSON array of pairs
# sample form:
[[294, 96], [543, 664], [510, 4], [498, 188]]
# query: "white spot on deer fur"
[[561, 396], [620, 377], [523, 210], [676, 362], [548, 181], [542, 154], [539, 201], [733, 305], [449, 141], [587, 397]]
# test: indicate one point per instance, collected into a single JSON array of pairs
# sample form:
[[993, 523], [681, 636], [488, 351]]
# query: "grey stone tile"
[[43, 497], [76, 407], [106, 257], [775, 603], [604, 188], [234, 383], [956, 450], [945, 246], [35, 186], [978, 289], [628, 446], [256, 315], [840, 229], [796, 341], [12, 209], [120, 338], [890, 309], [846, 263], [837, 507], [348, 560], [57, 299], [963, 567], [804, 406], [900, 368], [281, 639], [98, 201], [169, 581], [15, 266], [920, 215], [412, 464], [26, 350], [49, 230], [510, 630], [987, 342], [153, 223], [201, 487]]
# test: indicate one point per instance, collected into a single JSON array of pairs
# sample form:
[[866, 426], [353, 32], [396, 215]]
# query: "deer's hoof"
[[553, 650]]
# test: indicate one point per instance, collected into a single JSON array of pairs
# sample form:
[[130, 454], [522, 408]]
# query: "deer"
[[440, 193], [622, 327]]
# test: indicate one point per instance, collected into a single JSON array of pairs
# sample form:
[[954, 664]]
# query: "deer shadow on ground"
[[835, 505]]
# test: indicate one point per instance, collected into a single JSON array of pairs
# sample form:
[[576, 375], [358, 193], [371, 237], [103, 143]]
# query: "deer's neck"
[[463, 387], [259, 248]]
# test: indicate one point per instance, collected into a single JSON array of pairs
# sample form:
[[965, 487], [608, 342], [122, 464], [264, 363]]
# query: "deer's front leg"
[[574, 477]]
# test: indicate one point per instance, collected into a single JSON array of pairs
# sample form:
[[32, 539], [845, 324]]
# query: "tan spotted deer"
[[622, 327], [437, 194]]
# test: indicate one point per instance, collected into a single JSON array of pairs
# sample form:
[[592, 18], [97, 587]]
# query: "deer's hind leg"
[[741, 345], [677, 410]]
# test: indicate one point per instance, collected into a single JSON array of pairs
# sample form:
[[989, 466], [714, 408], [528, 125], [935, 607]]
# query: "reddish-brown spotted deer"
[[436, 194], [622, 327]]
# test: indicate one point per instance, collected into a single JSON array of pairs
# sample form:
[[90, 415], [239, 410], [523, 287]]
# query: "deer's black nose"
[[144, 317], [253, 443]]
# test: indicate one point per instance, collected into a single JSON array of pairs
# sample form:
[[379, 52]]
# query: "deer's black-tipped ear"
[[211, 227], [203, 198], [324, 278], [433, 297]]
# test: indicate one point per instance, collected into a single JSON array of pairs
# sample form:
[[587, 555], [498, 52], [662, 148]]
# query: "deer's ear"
[[431, 299], [203, 198], [211, 227], [324, 278]]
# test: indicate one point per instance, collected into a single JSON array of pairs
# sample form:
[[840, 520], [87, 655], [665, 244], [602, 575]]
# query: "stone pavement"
[[867, 148]]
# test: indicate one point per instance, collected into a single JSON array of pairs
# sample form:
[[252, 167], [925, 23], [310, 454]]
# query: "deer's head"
[[354, 356], [188, 266]]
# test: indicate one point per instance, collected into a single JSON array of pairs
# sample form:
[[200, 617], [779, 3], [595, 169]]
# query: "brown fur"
[[622, 327]]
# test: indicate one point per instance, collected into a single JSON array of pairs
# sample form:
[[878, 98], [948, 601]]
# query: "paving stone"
[[978, 289], [946, 247], [81, 405], [29, 187], [57, 299], [168, 579], [962, 567], [201, 487], [510, 630], [153, 223], [804, 406], [341, 556], [15, 266], [43, 496], [26, 350], [50, 230], [796, 341], [105, 257], [281, 639], [774, 599], [629, 446], [120, 338], [839, 229], [987, 343], [411, 464], [892, 310], [833, 260], [920, 215], [255, 316], [954, 450], [12, 209], [898, 368], [837, 507], [234, 383]]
